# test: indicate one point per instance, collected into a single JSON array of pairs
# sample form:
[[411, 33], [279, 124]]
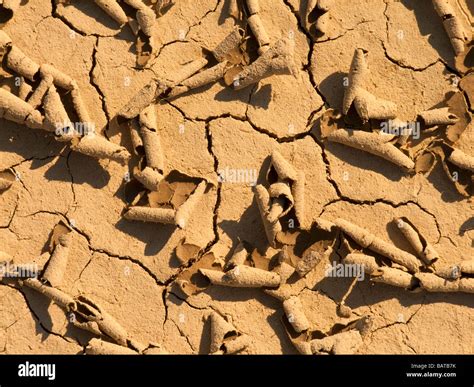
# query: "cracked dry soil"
[[135, 270]]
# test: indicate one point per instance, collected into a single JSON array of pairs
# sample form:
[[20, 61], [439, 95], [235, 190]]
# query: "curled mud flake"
[[242, 276], [344, 343], [114, 10], [225, 338], [367, 240], [440, 116], [264, 204], [424, 250], [102, 347], [153, 215], [239, 257], [59, 297], [277, 60], [366, 261], [394, 277], [366, 104], [21, 64], [99, 147], [60, 79], [295, 313], [373, 143], [186, 251], [150, 178], [433, 283], [57, 264], [458, 35], [7, 178]]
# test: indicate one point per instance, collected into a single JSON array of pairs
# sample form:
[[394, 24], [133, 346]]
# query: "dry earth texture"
[[230, 176]]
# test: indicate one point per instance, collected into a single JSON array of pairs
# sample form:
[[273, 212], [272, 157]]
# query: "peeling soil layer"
[[216, 218]]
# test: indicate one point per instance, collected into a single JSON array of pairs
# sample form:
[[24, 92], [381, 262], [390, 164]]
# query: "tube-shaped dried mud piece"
[[235, 345], [101, 347], [21, 64], [357, 74], [148, 214], [189, 69], [453, 26], [220, 328], [242, 276], [56, 117], [344, 343], [368, 106], [101, 148], [394, 277], [258, 30], [366, 261], [252, 277], [277, 60], [449, 272], [295, 313], [440, 116], [282, 201], [153, 150], [373, 143], [183, 213], [5, 40], [432, 283], [36, 98], [466, 285], [239, 256], [90, 311], [202, 78], [113, 9], [59, 297], [462, 160], [149, 178], [263, 200], [61, 80], [141, 100], [7, 178], [137, 141], [253, 6], [230, 44], [57, 264], [467, 267], [15, 109], [80, 107], [283, 168], [374, 243], [146, 18]]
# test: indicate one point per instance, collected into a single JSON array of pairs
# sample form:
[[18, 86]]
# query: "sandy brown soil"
[[145, 275]]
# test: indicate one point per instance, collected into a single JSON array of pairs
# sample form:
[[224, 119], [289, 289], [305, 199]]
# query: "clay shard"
[[373, 143]]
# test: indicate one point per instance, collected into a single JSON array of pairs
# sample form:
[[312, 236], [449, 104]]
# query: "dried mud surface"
[[131, 268]]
